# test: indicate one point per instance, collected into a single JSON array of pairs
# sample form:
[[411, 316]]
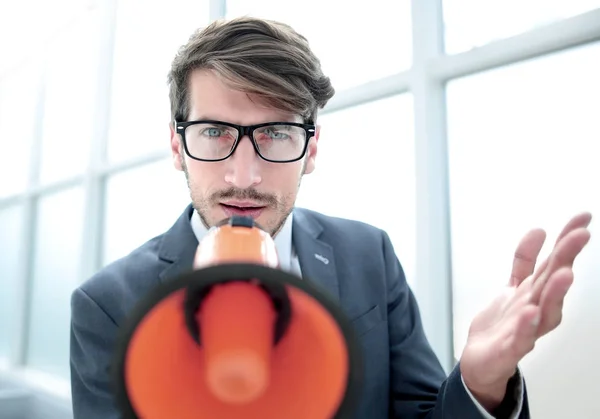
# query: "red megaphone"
[[237, 338]]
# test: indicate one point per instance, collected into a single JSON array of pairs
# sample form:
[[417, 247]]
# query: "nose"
[[243, 169]]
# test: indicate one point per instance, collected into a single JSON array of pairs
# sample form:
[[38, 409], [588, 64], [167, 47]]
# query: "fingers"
[[563, 255], [568, 248], [581, 220], [552, 299], [526, 321], [520, 297], [526, 256]]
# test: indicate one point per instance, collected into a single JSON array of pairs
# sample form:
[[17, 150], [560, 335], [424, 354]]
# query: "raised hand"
[[530, 307]]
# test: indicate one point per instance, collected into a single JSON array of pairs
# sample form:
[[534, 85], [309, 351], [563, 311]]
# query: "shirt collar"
[[283, 239]]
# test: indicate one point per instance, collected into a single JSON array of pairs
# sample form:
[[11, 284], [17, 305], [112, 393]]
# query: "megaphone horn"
[[237, 338]]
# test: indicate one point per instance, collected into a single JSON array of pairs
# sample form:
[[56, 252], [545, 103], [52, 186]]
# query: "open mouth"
[[248, 211]]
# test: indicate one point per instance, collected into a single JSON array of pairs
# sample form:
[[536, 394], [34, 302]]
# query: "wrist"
[[490, 397]]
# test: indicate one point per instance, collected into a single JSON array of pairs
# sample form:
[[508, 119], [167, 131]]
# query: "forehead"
[[212, 98]]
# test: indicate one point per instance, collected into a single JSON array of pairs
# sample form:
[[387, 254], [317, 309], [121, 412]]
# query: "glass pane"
[[142, 203], [523, 149], [70, 105], [377, 166], [11, 241], [356, 44], [145, 45], [55, 276], [472, 23], [19, 95], [29, 22]]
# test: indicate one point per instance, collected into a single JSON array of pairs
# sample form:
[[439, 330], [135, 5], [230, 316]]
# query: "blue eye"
[[275, 135], [213, 132]]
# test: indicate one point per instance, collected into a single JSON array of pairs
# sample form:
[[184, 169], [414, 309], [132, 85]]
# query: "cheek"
[[284, 180], [203, 176]]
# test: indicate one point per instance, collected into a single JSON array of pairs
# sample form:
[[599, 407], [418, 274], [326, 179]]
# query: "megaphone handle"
[[278, 294], [237, 320]]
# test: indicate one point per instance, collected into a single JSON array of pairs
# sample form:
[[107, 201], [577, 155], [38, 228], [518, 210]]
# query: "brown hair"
[[266, 59]]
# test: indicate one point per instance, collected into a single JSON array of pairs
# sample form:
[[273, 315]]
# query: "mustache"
[[250, 194]]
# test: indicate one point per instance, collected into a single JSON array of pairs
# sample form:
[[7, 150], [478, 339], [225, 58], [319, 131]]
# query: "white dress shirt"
[[288, 261]]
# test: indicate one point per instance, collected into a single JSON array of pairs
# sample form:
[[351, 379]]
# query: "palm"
[[530, 306]]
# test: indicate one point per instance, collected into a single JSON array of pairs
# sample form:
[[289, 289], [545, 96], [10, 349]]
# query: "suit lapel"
[[316, 258], [178, 246]]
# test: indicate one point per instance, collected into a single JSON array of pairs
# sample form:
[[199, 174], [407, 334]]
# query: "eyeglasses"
[[278, 142]]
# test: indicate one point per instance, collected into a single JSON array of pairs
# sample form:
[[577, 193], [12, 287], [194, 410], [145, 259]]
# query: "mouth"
[[247, 210]]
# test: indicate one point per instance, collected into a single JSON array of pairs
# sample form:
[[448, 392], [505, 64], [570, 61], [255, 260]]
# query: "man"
[[244, 97]]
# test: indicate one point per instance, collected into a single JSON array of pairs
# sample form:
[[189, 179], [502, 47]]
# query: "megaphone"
[[237, 338]]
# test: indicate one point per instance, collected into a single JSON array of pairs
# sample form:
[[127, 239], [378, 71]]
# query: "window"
[[147, 38], [365, 170], [57, 253], [142, 203], [71, 81], [356, 44], [32, 23], [471, 23], [19, 93], [11, 241], [523, 150]]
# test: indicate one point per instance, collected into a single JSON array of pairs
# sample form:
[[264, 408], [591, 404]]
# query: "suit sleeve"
[[419, 387], [92, 339], [517, 388]]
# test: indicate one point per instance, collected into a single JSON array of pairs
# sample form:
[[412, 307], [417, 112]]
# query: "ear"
[[311, 152], [176, 148]]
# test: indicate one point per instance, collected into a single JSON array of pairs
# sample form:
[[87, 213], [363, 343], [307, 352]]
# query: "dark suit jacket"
[[402, 376]]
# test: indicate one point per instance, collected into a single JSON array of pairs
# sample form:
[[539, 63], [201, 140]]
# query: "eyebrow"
[[281, 118], [275, 121]]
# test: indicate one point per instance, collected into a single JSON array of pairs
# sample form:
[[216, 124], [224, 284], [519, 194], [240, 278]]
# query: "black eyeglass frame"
[[243, 130]]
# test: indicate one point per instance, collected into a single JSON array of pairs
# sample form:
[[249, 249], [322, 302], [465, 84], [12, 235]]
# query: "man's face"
[[244, 183]]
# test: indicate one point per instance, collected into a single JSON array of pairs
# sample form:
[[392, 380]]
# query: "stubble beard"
[[282, 207]]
